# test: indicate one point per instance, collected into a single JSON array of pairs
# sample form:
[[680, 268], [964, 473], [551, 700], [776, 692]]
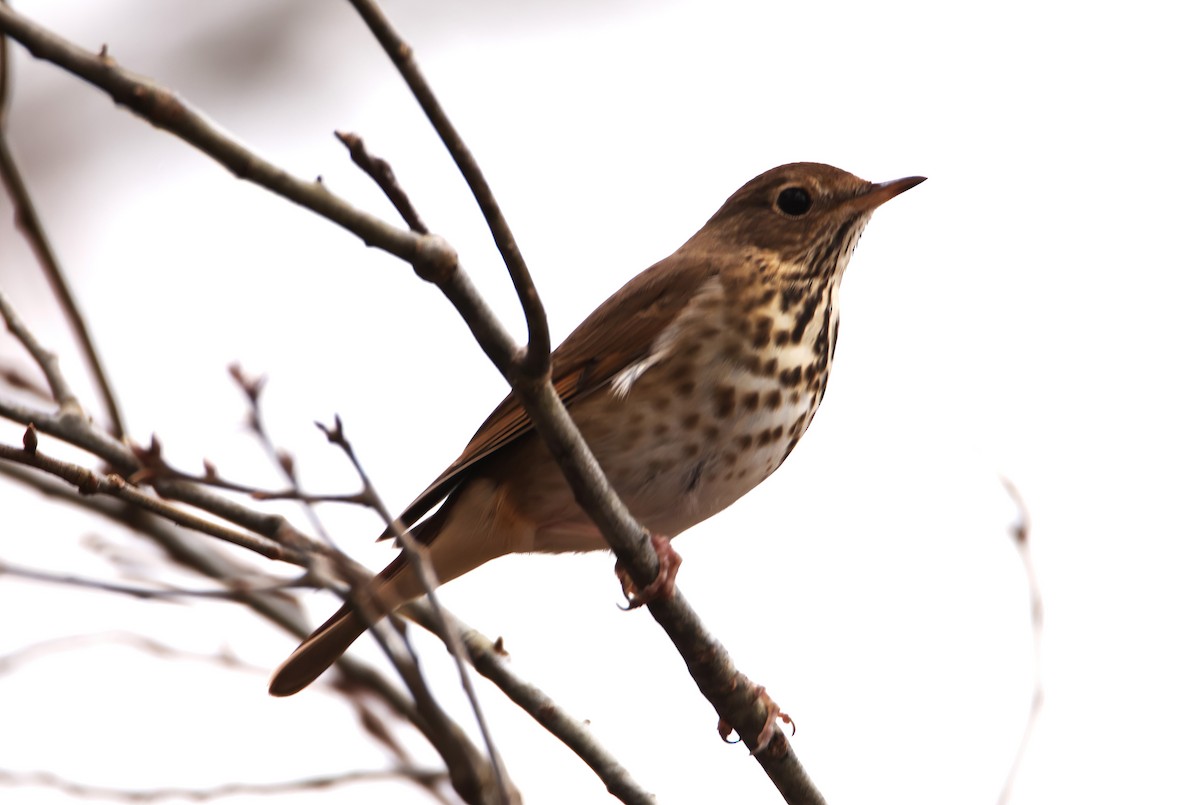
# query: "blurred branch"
[[168, 111], [424, 777], [357, 676], [46, 360], [29, 223], [1020, 535], [71, 643], [168, 593]]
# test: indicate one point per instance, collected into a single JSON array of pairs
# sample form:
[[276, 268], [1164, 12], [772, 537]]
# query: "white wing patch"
[[707, 295], [623, 380]]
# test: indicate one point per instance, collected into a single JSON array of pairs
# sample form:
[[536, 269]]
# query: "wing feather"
[[617, 334]]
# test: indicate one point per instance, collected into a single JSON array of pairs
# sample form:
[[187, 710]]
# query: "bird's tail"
[[458, 539], [319, 651]]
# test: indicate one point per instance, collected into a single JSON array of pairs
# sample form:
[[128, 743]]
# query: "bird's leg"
[[663, 585], [773, 714]]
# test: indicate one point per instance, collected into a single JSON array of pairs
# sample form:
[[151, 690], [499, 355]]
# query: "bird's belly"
[[679, 454], [689, 472]]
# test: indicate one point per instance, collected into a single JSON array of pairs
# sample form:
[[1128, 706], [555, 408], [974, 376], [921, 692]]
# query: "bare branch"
[[536, 359], [424, 777], [451, 637], [167, 593], [379, 170], [489, 659], [475, 778], [423, 712], [155, 467], [30, 224], [1020, 535], [168, 111], [70, 643], [482, 652], [71, 426], [47, 361], [91, 483]]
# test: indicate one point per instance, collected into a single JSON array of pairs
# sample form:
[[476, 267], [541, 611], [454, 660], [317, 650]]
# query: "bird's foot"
[[663, 585], [773, 714]]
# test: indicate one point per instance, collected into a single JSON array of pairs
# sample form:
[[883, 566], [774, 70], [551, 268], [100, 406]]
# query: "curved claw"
[[663, 585]]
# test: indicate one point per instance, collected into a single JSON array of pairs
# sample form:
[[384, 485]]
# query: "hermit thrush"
[[691, 385]]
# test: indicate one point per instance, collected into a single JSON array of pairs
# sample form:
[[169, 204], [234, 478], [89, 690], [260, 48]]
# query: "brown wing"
[[616, 334]]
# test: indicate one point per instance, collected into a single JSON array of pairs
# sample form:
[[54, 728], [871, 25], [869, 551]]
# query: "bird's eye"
[[793, 201]]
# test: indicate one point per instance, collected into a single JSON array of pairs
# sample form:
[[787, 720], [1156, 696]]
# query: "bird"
[[691, 385]]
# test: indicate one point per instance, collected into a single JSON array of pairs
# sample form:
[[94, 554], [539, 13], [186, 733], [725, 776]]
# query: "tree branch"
[[1020, 535], [536, 359], [168, 111], [91, 483], [441, 626], [76, 789], [29, 222]]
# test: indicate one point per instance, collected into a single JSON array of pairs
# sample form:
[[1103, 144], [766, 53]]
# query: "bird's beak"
[[880, 192]]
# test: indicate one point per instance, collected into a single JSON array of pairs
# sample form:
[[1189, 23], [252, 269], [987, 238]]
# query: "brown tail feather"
[[396, 585], [319, 651]]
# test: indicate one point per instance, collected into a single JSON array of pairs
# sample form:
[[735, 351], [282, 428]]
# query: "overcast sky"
[[1027, 313]]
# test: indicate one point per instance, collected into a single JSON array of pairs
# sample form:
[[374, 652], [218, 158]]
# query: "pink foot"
[[663, 585]]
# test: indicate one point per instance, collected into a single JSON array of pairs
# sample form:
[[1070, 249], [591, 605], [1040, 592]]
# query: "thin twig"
[[421, 776], [480, 649], [46, 577], [424, 568], [1020, 535], [450, 740], [5, 83], [199, 555], [70, 643], [536, 359], [15, 377], [168, 111], [463, 762], [379, 170], [29, 223], [91, 483], [468, 773], [252, 387], [47, 361], [491, 661], [155, 467], [289, 544], [453, 744]]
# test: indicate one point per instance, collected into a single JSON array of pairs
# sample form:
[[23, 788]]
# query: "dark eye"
[[793, 201]]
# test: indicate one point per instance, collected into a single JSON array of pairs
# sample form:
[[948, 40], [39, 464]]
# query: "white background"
[[1029, 312]]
